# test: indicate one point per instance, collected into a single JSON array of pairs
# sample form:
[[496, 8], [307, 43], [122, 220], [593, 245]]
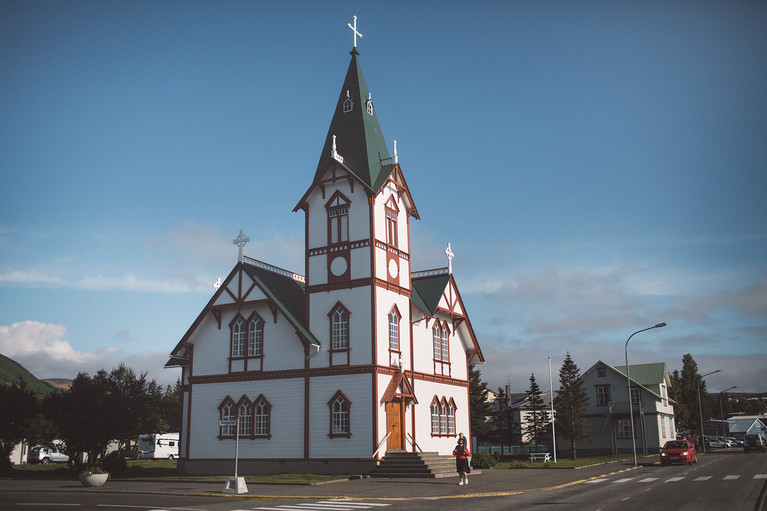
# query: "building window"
[[436, 332], [348, 105], [435, 418], [245, 418], [624, 428], [370, 107], [445, 345], [391, 226], [226, 412], [663, 426], [634, 396], [256, 337], [340, 407], [262, 417], [601, 372], [339, 330], [442, 417], [238, 338], [394, 330], [603, 395], [664, 395]]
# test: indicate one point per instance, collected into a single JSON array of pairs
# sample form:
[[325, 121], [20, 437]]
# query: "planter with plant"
[[93, 476]]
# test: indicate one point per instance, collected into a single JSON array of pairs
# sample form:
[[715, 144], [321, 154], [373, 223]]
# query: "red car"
[[678, 451]]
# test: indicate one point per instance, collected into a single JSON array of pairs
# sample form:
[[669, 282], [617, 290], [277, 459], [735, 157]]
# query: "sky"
[[598, 167]]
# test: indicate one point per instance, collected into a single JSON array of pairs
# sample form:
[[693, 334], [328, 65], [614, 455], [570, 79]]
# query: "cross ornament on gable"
[[354, 29], [240, 241], [450, 255]]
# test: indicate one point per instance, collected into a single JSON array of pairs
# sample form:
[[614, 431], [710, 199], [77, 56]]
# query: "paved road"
[[726, 480]]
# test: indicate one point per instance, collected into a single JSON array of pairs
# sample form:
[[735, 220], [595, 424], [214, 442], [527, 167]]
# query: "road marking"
[[702, 478], [760, 476], [624, 480], [731, 478], [45, 504], [648, 480], [674, 479], [325, 505], [596, 481]]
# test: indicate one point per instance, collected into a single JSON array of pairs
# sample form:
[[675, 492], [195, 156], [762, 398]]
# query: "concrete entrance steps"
[[416, 465]]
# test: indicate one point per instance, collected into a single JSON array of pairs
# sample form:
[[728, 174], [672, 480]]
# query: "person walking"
[[461, 453]]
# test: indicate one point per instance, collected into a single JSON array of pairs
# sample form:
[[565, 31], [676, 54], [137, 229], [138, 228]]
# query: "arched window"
[[348, 105], [340, 423], [436, 332], [445, 345], [451, 418], [263, 411], [435, 417], [244, 413], [256, 337], [394, 330], [226, 414], [340, 328], [238, 338], [443, 417]]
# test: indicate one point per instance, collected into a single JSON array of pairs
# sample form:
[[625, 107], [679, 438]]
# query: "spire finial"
[[450, 255], [354, 29], [240, 241]]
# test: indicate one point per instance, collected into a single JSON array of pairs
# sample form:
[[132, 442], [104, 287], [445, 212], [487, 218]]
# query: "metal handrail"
[[413, 442], [378, 447]]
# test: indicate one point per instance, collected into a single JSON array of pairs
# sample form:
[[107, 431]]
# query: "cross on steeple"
[[354, 29], [240, 241], [450, 255]]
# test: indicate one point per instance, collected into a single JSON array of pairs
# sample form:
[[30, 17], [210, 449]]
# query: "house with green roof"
[[358, 355], [609, 416]]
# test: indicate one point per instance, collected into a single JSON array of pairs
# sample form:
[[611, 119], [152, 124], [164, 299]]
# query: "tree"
[[479, 408], [171, 406], [19, 406], [571, 403], [535, 424], [685, 387], [505, 429]]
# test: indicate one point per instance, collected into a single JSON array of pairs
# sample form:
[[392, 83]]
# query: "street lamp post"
[[721, 413], [700, 410], [628, 387]]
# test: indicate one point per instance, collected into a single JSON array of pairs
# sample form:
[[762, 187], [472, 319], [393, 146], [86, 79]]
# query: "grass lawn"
[[564, 462], [164, 470]]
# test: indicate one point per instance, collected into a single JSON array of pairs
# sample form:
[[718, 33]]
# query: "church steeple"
[[359, 143]]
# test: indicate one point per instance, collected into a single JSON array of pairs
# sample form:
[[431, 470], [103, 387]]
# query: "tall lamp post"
[[721, 413], [628, 387], [700, 410]]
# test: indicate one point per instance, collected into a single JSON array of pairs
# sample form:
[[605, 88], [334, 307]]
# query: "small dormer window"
[[348, 105], [370, 107]]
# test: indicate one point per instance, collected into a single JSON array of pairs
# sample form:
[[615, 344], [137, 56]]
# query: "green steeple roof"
[[359, 139]]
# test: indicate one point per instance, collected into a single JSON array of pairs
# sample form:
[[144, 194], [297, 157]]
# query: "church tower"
[[357, 250]]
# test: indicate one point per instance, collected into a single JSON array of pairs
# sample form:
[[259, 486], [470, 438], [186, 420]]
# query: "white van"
[[158, 446]]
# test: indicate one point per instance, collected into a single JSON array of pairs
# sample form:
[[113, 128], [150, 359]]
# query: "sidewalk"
[[488, 483]]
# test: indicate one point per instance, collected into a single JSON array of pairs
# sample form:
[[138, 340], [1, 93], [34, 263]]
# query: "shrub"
[[483, 460], [114, 463]]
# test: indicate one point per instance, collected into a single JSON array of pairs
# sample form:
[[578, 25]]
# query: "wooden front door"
[[394, 419]]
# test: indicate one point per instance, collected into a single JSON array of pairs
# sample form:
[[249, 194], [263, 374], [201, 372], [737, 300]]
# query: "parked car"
[[755, 441], [718, 442], [678, 451], [735, 442], [48, 454]]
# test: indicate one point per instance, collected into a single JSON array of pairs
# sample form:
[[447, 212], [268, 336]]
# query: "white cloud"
[[32, 338]]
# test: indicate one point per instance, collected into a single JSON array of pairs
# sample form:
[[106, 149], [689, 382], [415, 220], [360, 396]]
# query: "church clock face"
[[393, 270], [338, 266]]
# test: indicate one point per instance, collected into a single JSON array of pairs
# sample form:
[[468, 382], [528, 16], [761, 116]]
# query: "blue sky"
[[598, 167]]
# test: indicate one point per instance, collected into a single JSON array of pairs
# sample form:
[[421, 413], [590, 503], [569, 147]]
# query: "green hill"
[[11, 371]]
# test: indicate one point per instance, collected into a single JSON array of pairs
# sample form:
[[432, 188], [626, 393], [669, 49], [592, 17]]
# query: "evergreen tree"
[[19, 409], [687, 413], [479, 408], [570, 404], [505, 429], [536, 425]]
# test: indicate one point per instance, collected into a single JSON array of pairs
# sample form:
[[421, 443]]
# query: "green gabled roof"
[[358, 135], [427, 291], [288, 294], [647, 374]]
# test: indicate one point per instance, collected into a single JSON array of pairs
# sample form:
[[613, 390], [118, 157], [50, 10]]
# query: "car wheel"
[[171, 457], [45, 461]]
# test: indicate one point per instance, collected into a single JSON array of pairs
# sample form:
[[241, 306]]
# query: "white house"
[[327, 370], [608, 417]]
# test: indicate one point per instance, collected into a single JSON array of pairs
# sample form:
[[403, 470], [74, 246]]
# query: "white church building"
[[326, 372]]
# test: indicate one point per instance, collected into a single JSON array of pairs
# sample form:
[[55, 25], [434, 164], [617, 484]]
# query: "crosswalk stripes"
[[760, 476], [324, 505], [702, 478], [648, 480], [731, 477], [674, 479]]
